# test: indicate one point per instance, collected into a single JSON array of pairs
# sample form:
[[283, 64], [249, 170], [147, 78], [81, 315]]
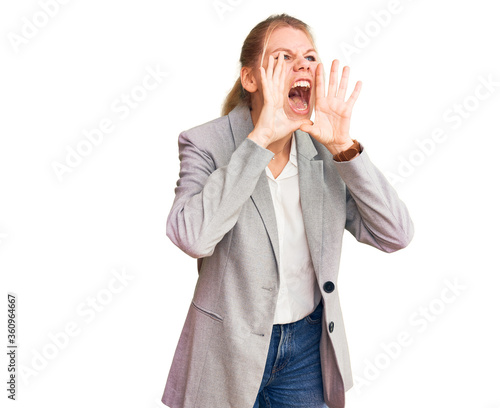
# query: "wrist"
[[335, 149], [259, 138], [346, 154]]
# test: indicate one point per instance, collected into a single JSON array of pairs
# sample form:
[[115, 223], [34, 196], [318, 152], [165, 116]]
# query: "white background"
[[62, 238]]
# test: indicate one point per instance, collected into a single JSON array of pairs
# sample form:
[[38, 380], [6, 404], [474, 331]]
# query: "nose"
[[302, 64]]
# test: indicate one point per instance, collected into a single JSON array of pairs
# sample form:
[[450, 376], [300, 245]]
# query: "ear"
[[248, 80]]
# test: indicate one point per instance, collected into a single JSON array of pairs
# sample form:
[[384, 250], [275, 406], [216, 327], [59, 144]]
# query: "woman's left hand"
[[332, 113]]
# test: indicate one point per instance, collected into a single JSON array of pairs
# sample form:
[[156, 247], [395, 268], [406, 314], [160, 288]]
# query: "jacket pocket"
[[207, 312]]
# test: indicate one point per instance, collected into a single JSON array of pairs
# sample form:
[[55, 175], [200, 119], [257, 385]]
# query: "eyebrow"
[[291, 52]]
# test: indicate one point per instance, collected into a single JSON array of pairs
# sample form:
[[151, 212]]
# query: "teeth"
[[304, 84]]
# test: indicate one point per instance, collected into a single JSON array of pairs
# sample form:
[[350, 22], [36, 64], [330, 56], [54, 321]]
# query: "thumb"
[[308, 127], [297, 124]]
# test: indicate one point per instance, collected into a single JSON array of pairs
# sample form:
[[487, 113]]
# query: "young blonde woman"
[[262, 201]]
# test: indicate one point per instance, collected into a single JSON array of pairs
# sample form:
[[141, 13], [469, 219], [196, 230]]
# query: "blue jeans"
[[292, 377]]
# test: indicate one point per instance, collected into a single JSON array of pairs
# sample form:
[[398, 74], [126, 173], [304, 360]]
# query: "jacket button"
[[329, 287], [330, 327]]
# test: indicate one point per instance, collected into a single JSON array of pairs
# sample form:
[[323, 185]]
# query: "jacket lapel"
[[311, 195], [241, 125], [263, 200]]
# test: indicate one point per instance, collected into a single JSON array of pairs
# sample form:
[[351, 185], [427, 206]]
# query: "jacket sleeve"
[[208, 200], [374, 213]]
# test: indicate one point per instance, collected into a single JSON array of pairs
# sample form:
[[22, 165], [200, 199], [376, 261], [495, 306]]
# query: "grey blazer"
[[223, 215]]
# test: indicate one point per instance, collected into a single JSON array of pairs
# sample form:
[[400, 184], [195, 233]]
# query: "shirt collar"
[[293, 151]]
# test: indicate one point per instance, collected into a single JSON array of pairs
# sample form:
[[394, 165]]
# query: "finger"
[[279, 65], [263, 79], [276, 63], [282, 76], [343, 83], [278, 73], [332, 84], [354, 96], [320, 83], [308, 127], [270, 69]]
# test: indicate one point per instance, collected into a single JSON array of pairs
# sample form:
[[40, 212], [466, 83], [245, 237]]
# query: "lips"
[[299, 96]]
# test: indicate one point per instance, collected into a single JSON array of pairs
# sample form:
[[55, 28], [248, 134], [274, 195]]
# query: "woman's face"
[[301, 61]]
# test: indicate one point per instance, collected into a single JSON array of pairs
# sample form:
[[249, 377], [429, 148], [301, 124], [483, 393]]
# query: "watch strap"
[[349, 153]]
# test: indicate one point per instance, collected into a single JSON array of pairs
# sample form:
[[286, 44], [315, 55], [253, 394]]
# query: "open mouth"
[[299, 96]]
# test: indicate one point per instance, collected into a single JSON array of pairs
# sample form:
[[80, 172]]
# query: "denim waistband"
[[317, 309]]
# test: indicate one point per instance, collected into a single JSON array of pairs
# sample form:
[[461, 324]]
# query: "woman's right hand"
[[273, 124]]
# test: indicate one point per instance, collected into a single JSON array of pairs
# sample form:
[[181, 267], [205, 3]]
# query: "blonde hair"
[[254, 46]]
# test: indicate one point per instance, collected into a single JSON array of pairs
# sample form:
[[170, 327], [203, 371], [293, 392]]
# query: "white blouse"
[[299, 293]]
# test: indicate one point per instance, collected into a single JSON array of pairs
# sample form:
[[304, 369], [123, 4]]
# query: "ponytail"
[[236, 95]]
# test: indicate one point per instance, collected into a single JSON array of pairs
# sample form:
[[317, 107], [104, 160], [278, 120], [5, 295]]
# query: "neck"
[[281, 148]]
